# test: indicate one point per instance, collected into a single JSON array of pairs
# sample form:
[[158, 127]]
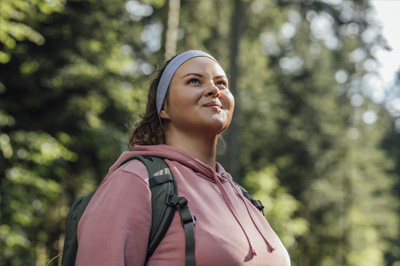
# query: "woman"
[[189, 106]]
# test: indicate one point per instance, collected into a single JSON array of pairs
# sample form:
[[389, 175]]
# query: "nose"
[[212, 91]]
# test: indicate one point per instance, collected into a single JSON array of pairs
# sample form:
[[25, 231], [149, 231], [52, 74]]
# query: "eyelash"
[[191, 81], [218, 83], [223, 83]]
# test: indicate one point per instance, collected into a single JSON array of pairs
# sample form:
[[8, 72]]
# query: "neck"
[[200, 147]]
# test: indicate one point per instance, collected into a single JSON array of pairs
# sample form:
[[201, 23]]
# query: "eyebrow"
[[200, 75]]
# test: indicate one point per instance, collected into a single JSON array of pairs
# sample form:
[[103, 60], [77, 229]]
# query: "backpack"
[[164, 200]]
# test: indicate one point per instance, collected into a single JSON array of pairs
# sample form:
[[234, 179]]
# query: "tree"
[[304, 74], [65, 104], [314, 146], [390, 144]]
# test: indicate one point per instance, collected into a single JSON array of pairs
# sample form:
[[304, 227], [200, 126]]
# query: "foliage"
[[15, 19], [314, 145], [27, 196], [304, 70], [65, 106]]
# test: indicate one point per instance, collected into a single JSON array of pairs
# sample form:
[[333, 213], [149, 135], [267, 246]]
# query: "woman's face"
[[199, 100]]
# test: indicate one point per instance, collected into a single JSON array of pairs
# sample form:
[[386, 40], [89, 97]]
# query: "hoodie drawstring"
[[245, 202], [233, 211]]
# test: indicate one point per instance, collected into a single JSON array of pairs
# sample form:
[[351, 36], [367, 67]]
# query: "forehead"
[[203, 65]]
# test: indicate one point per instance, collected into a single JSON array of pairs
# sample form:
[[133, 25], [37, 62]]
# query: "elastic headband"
[[169, 72]]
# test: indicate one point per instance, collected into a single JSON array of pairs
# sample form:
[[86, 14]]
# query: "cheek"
[[181, 100], [186, 96], [230, 101]]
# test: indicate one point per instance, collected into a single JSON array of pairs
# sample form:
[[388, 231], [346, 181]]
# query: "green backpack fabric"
[[164, 200]]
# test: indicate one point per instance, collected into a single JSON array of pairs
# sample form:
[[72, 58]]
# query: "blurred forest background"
[[308, 137]]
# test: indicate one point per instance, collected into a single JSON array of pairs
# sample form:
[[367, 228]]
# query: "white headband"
[[169, 72]]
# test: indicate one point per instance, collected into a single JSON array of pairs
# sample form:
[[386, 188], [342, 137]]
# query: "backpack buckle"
[[175, 201], [187, 220], [181, 204], [258, 204]]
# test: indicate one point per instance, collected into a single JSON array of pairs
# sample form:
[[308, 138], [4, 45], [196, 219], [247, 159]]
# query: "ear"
[[164, 114]]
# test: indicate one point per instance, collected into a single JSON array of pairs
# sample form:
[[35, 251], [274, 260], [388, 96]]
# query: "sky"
[[388, 15], [389, 19]]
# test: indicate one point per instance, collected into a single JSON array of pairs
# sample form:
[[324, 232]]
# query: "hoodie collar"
[[176, 154]]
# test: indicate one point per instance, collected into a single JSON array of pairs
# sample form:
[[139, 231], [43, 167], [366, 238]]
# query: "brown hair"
[[148, 131]]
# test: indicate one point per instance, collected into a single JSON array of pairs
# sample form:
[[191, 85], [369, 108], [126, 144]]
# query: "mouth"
[[213, 104]]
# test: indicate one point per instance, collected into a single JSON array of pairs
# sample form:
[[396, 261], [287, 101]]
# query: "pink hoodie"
[[229, 230]]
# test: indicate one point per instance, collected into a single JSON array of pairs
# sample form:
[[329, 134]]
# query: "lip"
[[213, 104]]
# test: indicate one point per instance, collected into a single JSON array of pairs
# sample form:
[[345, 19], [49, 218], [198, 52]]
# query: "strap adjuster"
[[176, 201], [181, 204], [188, 219], [258, 204]]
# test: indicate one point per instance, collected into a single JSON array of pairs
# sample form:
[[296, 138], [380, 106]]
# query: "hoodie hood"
[[175, 154]]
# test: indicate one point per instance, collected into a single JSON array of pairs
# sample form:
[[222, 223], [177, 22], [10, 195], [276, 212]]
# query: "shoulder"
[[133, 171], [134, 167]]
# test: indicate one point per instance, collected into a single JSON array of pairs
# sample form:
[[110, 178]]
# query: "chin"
[[219, 126], [216, 123]]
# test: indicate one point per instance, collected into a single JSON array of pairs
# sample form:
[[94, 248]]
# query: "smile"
[[214, 105]]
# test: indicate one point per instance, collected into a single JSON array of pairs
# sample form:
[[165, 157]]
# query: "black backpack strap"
[[188, 222], [165, 201], [257, 203], [162, 184]]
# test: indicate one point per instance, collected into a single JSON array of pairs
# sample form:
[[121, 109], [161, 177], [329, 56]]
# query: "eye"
[[222, 83], [193, 81]]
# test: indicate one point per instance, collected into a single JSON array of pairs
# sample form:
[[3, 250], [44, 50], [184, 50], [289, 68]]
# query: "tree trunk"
[[172, 28], [232, 136]]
